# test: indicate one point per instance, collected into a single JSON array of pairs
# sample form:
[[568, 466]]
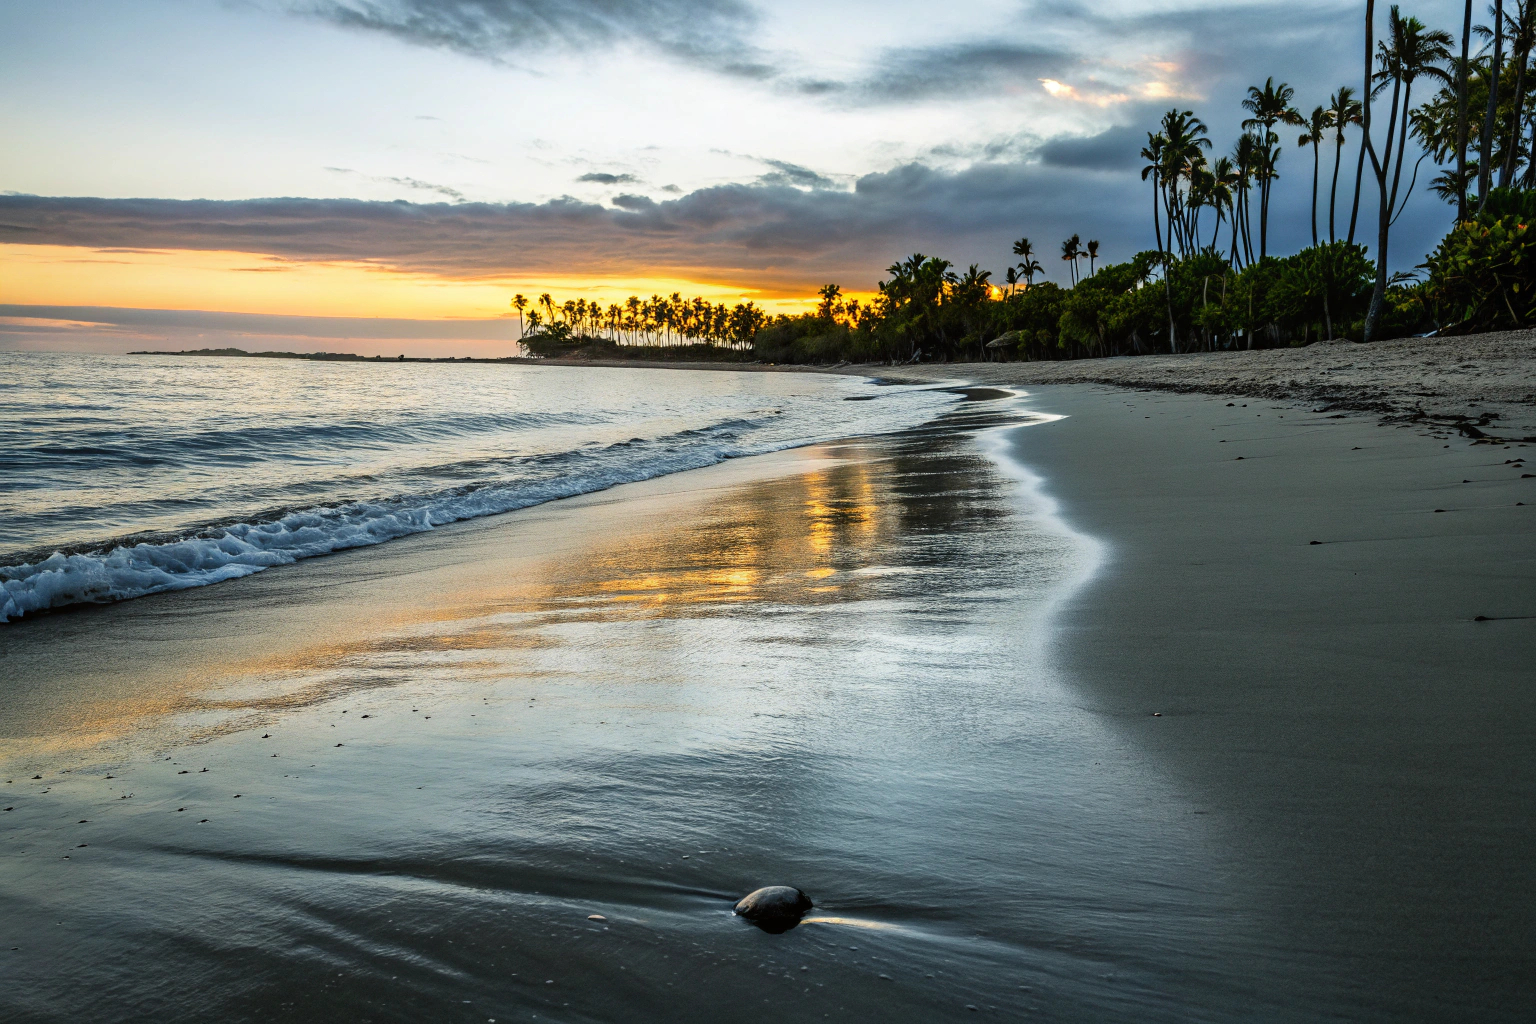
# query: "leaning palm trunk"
[[1508, 170], [1333, 190], [1354, 210], [1315, 169], [1461, 117], [1388, 198], [1485, 154]]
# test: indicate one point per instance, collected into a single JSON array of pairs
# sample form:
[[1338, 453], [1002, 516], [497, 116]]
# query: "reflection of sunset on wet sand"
[[816, 530]]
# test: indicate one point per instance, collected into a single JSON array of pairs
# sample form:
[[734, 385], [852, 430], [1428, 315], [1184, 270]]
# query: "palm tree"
[[1461, 116], [1011, 278], [1071, 252], [1028, 266], [1183, 139], [1412, 52], [1223, 180], [1269, 106], [1093, 254], [1317, 125], [519, 303], [1520, 40], [1152, 153], [1485, 150], [1343, 111], [1243, 158]]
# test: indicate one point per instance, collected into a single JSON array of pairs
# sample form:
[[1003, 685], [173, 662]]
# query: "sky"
[[382, 175]]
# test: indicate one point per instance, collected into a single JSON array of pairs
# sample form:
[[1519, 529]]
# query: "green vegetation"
[[1198, 291]]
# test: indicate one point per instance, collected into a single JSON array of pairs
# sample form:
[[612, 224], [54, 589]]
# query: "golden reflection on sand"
[[796, 539]]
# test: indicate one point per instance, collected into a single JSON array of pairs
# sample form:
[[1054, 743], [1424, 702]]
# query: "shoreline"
[[1476, 381]]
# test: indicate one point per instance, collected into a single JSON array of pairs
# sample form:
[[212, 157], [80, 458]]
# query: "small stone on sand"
[[774, 908]]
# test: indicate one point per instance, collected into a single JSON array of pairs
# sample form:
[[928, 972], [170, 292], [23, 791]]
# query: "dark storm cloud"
[[598, 178], [1212, 46], [713, 32], [774, 236], [1115, 149]]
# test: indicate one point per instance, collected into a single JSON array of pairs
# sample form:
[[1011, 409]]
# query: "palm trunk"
[[1232, 260], [1354, 211], [1366, 146], [1485, 151], [1461, 117], [1316, 157], [1388, 200], [1530, 164], [1264, 217], [1333, 190], [1508, 170], [1248, 225]]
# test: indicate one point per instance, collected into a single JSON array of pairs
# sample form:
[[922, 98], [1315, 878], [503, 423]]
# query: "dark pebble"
[[774, 908]]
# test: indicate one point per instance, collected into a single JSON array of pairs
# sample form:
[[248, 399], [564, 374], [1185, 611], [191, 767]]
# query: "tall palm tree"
[[519, 303], [1269, 106], [1071, 252], [1243, 159], [1223, 181], [1410, 52], [1343, 111], [1317, 125], [1183, 139], [1485, 150], [1028, 265], [1152, 153], [1461, 116], [1093, 254], [1520, 42]]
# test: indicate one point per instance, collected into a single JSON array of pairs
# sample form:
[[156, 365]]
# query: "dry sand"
[[1440, 378]]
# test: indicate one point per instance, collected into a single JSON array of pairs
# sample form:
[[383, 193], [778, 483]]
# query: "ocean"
[[122, 476]]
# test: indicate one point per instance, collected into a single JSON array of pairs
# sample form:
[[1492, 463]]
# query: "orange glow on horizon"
[[240, 282]]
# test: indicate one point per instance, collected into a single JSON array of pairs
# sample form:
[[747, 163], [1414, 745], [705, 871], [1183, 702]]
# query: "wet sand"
[[1345, 718], [1118, 743]]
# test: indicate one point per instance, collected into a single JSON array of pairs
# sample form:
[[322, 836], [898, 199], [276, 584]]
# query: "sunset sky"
[[269, 163]]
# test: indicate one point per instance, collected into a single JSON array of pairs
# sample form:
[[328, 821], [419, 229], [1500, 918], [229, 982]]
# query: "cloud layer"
[[712, 32], [768, 235]]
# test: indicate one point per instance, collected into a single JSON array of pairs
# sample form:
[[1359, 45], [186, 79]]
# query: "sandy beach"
[[1053, 706]]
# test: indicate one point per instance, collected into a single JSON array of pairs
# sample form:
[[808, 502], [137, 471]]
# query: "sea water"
[[129, 475]]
